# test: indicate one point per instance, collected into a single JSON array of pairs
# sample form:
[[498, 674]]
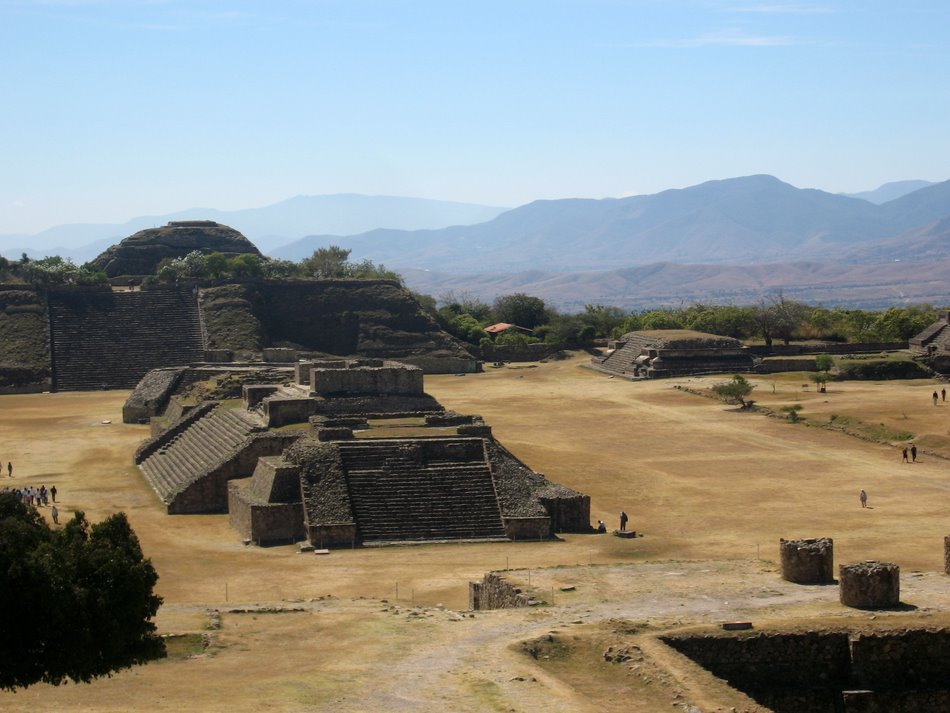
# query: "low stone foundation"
[[333, 535], [869, 585], [495, 592], [809, 561], [528, 528]]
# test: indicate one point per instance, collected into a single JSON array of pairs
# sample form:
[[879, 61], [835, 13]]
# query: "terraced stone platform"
[[439, 489], [105, 339]]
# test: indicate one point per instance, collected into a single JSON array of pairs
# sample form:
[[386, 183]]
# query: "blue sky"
[[117, 108]]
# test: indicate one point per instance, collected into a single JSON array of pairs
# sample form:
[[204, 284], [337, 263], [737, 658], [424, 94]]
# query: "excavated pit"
[[897, 671]]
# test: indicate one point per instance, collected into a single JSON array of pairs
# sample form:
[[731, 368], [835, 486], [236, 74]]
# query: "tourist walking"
[[623, 521], [52, 491], [9, 468], [55, 514], [935, 397], [864, 499], [943, 394], [903, 461], [913, 453]]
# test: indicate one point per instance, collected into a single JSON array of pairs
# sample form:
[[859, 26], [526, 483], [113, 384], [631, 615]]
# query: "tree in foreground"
[[76, 603], [736, 389]]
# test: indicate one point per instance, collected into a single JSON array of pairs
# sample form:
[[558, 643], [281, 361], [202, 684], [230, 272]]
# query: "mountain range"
[[729, 240], [267, 227], [754, 219]]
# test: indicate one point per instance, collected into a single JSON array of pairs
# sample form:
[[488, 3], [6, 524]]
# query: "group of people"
[[602, 526], [37, 497], [941, 397], [913, 454]]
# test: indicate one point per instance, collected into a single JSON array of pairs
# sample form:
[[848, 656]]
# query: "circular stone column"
[[809, 561], [870, 585]]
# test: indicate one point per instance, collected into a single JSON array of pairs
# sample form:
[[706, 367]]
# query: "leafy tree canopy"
[[736, 389], [76, 603], [521, 309]]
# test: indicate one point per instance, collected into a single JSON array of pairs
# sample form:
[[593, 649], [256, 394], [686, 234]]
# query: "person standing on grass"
[[913, 453], [903, 461], [55, 515], [935, 397], [623, 521], [943, 394], [52, 491], [864, 499]]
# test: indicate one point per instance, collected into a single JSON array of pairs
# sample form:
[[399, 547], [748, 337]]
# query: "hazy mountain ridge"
[[670, 284], [267, 227], [889, 191], [748, 219]]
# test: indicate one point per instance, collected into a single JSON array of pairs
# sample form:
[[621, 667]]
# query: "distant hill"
[[266, 227], [668, 284], [738, 220], [889, 191]]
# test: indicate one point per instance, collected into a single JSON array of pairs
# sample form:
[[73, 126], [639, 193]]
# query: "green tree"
[[76, 603], [824, 362], [332, 261], [736, 389], [521, 309], [660, 319]]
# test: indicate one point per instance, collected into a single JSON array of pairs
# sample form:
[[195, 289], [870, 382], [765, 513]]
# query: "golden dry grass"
[[704, 482]]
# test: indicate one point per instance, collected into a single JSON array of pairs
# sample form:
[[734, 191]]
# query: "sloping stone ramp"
[[206, 444]]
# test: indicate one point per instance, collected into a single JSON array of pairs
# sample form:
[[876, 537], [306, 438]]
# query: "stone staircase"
[[446, 494], [112, 339], [205, 444]]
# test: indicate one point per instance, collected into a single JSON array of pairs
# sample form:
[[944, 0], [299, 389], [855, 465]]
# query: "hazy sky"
[[116, 108]]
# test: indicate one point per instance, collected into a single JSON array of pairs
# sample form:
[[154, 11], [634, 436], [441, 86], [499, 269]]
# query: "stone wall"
[[25, 364], [495, 592], [898, 671], [778, 365], [809, 561], [150, 396], [826, 348], [528, 528], [869, 585], [263, 523], [387, 379]]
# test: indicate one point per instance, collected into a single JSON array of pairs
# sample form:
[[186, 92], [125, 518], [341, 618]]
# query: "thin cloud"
[[730, 38], [783, 9]]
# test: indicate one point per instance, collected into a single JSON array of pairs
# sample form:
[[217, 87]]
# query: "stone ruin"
[[809, 561], [90, 337], [933, 344], [834, 671], [346, 452], [870, 585], [664, 353]]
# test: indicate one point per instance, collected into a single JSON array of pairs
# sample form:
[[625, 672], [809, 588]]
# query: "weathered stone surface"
[[869, 585], [808, 561], [495, 592], [151, 395], [140, 254]]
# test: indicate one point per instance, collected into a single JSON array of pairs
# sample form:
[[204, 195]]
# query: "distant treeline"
[[775, 319]]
